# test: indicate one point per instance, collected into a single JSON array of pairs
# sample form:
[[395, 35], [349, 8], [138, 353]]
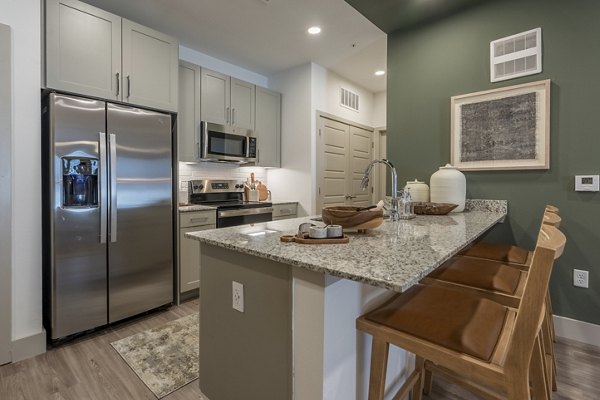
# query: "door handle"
[[103, 185], [232, 116], [227, 115], [118, 83], [112, 144], [128, 86]]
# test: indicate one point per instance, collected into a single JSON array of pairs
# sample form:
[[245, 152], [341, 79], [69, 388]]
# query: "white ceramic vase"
[[449, 185], [419, 191]]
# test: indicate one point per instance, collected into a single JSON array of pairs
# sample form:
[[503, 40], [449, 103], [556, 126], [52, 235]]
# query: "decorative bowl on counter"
[[427, 208], [351, 218]]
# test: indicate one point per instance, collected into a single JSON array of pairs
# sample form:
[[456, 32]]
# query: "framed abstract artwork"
[[502, 129]]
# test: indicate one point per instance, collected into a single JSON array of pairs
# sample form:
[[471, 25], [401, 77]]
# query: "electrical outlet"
[[580, 278], [237, 290]]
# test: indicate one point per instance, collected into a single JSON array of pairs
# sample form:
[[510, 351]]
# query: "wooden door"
[[150, 67], [359, 156], [268, 127], [215, 97], [188, 117], [332, 163], [83, 49], [242, 104]]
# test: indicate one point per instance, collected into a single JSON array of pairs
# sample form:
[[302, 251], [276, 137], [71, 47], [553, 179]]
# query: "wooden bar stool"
[[506, 252], [499, 281], [482, 344]]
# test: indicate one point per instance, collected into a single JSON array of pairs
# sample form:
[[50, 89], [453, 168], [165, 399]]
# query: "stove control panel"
[[215, 186]]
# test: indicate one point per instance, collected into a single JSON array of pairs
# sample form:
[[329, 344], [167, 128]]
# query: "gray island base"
[[296, 337]]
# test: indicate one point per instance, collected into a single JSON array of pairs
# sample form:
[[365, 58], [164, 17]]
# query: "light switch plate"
[[587, 183]]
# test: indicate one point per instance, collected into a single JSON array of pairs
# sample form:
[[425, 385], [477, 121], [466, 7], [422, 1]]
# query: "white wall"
[[293, 180], [326, 94], [380, 110], [223, 67], [23, 16]]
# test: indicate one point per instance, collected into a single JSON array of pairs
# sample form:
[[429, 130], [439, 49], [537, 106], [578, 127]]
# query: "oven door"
[[225, 143], [244, 216]]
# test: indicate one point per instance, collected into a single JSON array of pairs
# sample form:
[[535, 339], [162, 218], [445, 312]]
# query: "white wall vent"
[[349, 99], [516, 55]]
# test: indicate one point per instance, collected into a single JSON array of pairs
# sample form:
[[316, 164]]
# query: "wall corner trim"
[[577, 330], [29, 346]]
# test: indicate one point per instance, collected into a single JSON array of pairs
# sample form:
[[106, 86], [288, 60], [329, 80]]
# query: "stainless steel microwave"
[[226, 143]]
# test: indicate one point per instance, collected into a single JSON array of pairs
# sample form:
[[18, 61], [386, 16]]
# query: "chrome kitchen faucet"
[[394, 216]]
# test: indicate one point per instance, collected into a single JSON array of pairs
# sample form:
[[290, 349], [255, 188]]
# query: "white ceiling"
[[268, 36]]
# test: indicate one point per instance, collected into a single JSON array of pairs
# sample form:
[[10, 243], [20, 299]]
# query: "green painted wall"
[[428, 65]]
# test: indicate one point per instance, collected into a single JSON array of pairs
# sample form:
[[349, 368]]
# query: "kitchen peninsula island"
[[295, 336]]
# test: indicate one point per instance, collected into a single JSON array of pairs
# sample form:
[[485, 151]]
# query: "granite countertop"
[[195, 207], [394, 256]]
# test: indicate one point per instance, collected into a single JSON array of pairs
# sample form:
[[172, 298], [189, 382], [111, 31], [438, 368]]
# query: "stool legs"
[[379, 359]]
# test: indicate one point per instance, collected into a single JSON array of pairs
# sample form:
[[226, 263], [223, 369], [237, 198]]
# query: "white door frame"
[[5, 194], [379, 152], [319, 149]]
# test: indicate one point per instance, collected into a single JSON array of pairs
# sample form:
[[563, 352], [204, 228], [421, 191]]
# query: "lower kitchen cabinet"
[[285, 211], [189, 250]]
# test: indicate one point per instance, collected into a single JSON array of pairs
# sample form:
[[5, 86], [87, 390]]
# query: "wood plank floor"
[[88, 368]]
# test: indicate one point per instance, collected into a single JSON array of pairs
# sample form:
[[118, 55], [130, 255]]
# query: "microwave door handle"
[[103, 185], [112, 144]]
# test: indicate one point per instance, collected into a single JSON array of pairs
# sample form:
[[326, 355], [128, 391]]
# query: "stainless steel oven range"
[[228, 198]]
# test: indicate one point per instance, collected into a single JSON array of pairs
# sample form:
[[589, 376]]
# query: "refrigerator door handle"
[[112, 145], [103, 185]]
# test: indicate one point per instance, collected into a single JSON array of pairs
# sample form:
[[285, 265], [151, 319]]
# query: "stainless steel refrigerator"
[[108, 212]]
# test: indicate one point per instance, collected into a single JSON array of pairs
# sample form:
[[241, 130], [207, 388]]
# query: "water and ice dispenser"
[[80, 182]]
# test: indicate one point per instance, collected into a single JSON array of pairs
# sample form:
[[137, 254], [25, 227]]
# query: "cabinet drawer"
[[197, 218], [285, 210]]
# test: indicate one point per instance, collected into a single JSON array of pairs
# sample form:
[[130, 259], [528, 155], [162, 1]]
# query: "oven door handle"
[[245, 211]]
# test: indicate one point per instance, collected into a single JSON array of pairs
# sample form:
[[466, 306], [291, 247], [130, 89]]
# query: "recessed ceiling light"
[[314, 30], [380, 72]]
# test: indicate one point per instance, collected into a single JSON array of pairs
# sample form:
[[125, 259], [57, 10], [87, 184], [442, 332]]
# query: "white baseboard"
[[29, 346], [577, 330]]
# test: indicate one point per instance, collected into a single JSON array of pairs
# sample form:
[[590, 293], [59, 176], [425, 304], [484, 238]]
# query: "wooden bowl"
[[423, 208], [349, 218]]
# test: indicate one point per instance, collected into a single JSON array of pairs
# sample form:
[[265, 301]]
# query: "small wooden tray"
[[307, 240]]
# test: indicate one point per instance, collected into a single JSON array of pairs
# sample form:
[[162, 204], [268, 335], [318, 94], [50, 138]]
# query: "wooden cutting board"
[[263, 193]]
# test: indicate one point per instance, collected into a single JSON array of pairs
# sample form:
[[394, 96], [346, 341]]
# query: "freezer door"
[[78, 257], [141, 215]]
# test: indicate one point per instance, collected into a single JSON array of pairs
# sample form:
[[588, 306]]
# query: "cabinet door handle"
[[227, 115], [199, 219], [232, 116], [128, 86], [118, 83]]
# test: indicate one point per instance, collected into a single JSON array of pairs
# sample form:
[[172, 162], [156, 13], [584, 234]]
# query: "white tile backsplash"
[[188, 171]]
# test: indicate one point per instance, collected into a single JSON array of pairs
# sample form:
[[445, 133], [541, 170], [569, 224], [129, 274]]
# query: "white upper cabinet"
[[150, 67], [215, 98], [242, 104], [188, 117], [83, 49], [226, 100], [268, 127], [96, 53]]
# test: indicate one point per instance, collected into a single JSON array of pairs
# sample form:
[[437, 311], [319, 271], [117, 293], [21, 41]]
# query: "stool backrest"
[[550, 245]]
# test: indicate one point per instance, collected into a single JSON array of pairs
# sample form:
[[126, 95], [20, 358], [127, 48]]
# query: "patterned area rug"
[[164, 358]]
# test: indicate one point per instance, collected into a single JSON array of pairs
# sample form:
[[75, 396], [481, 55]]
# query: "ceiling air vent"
[[349, 99], [516, 55]]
